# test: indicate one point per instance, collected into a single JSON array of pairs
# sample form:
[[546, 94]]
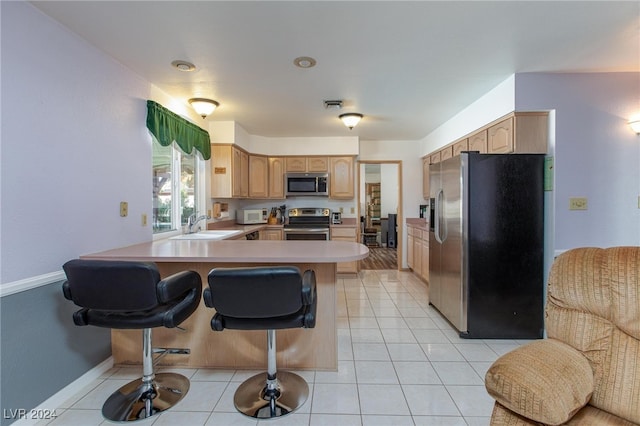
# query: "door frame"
[[400, 216]]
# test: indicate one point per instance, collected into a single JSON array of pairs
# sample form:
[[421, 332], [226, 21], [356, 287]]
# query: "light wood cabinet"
[[418, 251], [317, 164], [240, 180], [272, 234], [462, 145], [446, 153], [410, 247], [500, 137], [425, 178], [478, 142], [345, 233], [424, 265], [522, 132], [229, 172], [276, 177], [258, 176], [434, 158], [341, 178], [307, 164]]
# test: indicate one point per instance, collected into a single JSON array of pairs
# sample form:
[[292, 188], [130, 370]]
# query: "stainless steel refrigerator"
[[486, 244]]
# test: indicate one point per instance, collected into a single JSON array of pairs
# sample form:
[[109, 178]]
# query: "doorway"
[[380, 213]]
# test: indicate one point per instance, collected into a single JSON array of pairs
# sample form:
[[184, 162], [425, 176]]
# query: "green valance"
[[166, 127]]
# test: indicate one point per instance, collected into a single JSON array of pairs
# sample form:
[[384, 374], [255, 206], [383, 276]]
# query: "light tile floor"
[[399, 363]]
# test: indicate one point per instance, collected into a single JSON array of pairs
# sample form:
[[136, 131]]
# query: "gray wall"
[[41, 350]]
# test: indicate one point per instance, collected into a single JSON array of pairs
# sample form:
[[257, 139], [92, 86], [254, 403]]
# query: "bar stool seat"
[[131, 295], [264, 298]]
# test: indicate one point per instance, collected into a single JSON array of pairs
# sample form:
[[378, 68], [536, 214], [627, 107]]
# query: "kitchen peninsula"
[[297, 348]]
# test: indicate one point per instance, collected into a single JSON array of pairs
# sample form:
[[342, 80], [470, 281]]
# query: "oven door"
[[312, 234]]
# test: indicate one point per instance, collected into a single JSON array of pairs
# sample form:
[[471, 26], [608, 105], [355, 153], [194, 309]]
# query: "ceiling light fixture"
[[304, 62], [350, 119], [635, 126], [183, 66], [203, 106]]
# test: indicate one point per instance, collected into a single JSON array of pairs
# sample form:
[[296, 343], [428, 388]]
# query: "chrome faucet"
[[192, 221]]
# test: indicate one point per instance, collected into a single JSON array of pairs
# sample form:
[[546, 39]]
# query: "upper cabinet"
[[518, 132], [276, 177], [258, 176], [425, 178], [307, 164], [229, 172], [341, 176], [478, 142]]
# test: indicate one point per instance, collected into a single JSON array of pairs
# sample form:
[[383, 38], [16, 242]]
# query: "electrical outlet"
[[353, 210], [144, 219], [341, 209], [578, 203], [124, 209]]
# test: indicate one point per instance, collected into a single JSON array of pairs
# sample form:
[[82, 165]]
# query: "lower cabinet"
[[418, 251], [350, 234], [271, 234]]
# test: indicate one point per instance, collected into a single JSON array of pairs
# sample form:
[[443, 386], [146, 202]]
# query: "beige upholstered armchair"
[[587, 372]]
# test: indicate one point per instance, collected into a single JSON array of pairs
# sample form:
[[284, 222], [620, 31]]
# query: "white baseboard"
[[65, 394]]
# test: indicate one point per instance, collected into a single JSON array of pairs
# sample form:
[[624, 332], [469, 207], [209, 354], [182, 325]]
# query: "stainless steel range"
[[308, 224]]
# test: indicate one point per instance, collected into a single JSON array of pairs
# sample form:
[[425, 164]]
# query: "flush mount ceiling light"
[[350, 119], [183, 66], [304, 62], [635, 126], [203, 106]]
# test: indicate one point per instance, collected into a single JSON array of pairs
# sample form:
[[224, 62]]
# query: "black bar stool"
[[264, 298], [130, 295]]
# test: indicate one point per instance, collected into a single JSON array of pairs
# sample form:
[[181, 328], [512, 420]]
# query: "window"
[[174, 199]]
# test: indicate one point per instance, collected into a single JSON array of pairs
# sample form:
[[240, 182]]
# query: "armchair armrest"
[[546, 381], [177, 284]]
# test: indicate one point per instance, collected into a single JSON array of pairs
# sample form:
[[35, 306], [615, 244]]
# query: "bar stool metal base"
[[137, 400], [252, 397]]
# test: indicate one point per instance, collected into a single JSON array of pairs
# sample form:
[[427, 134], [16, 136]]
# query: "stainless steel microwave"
[[307, 184]]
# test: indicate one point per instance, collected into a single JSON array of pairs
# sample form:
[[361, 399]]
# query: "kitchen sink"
[[207, 235]]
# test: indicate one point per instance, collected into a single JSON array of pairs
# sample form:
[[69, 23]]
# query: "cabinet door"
[[410, 248], [296, 164], [417, 255], [276, 177], [271, 234], [341, 178], [435, 158], [424, 270], [239, 171], [478, 142], [258, 176], [317, 164], [460, 146], [425, 178], [500, 137], [446, 152]]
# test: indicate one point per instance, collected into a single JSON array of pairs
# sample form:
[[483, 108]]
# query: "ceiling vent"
[[333, 104]]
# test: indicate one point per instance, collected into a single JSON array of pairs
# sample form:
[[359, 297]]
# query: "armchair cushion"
[[546, 381]]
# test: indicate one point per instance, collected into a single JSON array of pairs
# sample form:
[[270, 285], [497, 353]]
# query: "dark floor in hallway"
[[380, 258]]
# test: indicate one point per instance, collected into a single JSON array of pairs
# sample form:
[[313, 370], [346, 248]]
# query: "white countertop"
[[237, 251]]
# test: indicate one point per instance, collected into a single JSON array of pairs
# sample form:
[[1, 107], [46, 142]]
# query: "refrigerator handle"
[[437, 216]]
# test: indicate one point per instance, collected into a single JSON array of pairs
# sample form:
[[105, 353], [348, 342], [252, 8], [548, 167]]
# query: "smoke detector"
[[333, 104]]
